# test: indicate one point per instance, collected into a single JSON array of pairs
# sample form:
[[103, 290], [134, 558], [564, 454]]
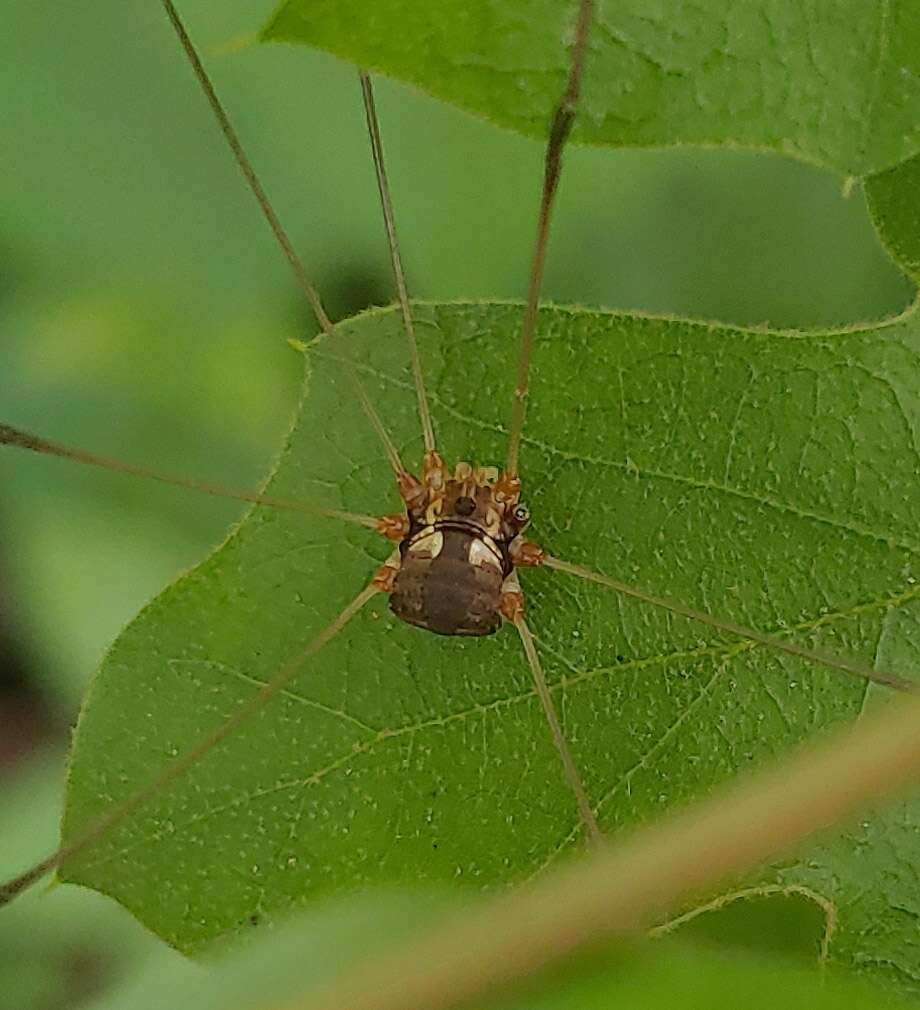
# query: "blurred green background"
[[144, 311]]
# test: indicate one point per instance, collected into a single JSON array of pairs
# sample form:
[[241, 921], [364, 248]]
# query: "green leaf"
[[767, 477], [838, 85], [894, 202], [778, 922]]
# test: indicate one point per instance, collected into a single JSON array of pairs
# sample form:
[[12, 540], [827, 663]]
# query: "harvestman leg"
[[513, 611], [396, 526], [19, 439], [560, 129], [513, 598], [178, 767], [389, 220], [758, 638], [408, 486]]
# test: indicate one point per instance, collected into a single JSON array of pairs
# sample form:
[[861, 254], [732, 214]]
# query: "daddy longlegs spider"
[[459, 538]]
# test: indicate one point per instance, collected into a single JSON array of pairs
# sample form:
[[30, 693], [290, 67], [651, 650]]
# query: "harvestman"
[[460, 537]]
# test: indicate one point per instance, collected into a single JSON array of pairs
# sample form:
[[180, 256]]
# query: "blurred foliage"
[[286, 966], [143, 307]]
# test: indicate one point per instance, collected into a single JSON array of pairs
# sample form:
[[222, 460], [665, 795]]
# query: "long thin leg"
[[563, 118], [274, 222], [176, 768], [377, 424], [25, 440], [389, 220], [572, 774], [34, 443], [409, 486], [246, 167], [760, 638]]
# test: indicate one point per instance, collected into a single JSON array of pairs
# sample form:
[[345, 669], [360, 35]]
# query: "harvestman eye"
[[465, 506], [463, 578]]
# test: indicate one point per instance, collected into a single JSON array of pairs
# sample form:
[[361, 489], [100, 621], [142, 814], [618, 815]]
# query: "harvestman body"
[[460, 536], [460, 541]]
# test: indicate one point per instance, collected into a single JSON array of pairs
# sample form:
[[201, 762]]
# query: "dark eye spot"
[[465, 506]]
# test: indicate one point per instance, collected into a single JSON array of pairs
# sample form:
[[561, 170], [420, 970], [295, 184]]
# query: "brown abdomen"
[[447, 594]]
